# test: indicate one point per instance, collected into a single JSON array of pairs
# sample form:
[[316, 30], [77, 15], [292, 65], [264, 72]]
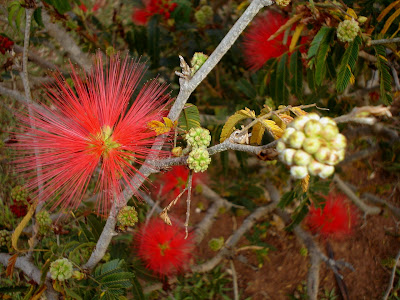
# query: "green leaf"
[[96, 225], [182, 12], [71, 293], [286, 199], [153, 34], [189, 118], [137, 289], [12, 9], [282, 92], [299, 214], [246, 88], [322, 54], [62, 6], [316, 42], [37, 16], [348, 64], [385, 78], [20, 14], [296, 69], [311, 79]]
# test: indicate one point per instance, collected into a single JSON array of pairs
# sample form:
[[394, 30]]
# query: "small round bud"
[[326, 171], [362, 19], [5, 238], [197, 61], [216, 243], [287, 156], [312, 128], [329, 132], [339, 142], [299, 122], [326, 120], [280, 146], [282, 3], [177, 151], [313, 116], [19, 194], [78, 275], [347, 30], [301, 158], [296, 139], [298, 172], [61, 269], [323, 154], [204, 15], [127, 216], [333, 158], [198, 137], [198, 160], [287, 133], [315, 167], [44, 221], [311, 145]]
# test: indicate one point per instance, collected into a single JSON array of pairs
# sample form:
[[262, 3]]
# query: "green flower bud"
[[287, 156], [197, 61], [323, 154], [280, 146], [301, 158], [216, 243], [296, 139], [339, 142], [299, 122], [177, 151], [5, 238], [287, 133], [312, 128], [198, 160], [127, 216], [362, 19], [198, 137], [204, 15], [329, 132], [326, 171], [44, 221], [61, 269], [78, 275], [298, 172], [19, 194], [311, 145], [347, 30]]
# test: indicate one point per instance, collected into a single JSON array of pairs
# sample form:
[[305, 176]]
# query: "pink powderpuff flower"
[[90, 130], [150, 8], [173, 182], [163, 247], [336, 220]]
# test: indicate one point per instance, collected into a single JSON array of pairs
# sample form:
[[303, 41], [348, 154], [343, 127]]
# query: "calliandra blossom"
[[173, 182], [150, 8], [90, 130], [335, 220], [163, 247], [5, 44]]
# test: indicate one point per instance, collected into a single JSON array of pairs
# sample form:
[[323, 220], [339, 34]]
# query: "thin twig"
[[389, 289], [384, 41], [188, 201], [235, 282]]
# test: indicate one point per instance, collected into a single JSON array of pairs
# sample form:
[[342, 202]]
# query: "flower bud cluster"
[[282, 3], [19, 194], [199, 58], [312, 145], [127, 217], [198, 139], [61, 269], [5, 238], [347, 30], [204, 15], [44, 221]]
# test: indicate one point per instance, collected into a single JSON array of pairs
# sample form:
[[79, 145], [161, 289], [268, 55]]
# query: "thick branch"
[[31, 271]]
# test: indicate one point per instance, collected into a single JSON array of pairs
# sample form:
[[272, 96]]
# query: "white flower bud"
[[326, 171], [301, 158], [287, 133], [280, 146], [287, 156], [339, 142], [323, 154], [296, 139], [333, 158], [326, 120], [315, 167], [299, 122], [313, 116], [329, 132], [312, 128], [298, 172], [341, 154], [311, 145]]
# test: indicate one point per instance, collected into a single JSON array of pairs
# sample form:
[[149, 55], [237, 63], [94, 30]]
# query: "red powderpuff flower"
[[337, 219], [174, 181], [163, 248], [141, 16], [90, 129], [18, 210]]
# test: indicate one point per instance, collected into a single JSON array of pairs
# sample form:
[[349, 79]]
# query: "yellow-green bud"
[[216, 243], [199, 58], [347, 30], [301, 158], [198, 160], [198, 137], [311, 145], [61, 269], [282, 3], [312, 128], [127, 216], [298, 172], [177, 151], [296, 139]]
